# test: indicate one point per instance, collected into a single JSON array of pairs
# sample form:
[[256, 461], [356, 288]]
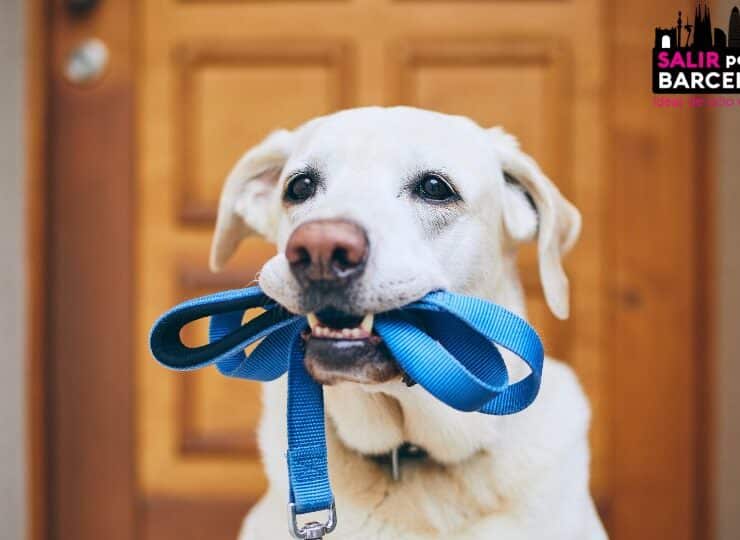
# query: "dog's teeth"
[[367, 323], [319, 330], [313, 321]]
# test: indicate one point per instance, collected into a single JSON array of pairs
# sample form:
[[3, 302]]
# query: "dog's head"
[[373, 208]]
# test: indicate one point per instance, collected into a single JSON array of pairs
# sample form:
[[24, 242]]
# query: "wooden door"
[[217, 77], [206, 79]]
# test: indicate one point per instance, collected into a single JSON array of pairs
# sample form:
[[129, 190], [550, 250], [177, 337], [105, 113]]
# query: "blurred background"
[[118, 123]]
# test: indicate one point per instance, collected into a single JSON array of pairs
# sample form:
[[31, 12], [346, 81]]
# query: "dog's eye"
[[433, 187], [300, 188]]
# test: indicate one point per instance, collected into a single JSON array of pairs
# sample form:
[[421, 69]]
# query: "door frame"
[[65, 424], [80, 384], [35, 142]]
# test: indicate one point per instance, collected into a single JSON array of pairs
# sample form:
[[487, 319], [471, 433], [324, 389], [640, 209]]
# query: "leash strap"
[[445, 342]]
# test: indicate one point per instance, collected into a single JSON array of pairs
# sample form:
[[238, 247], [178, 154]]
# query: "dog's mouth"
[[344, 348]]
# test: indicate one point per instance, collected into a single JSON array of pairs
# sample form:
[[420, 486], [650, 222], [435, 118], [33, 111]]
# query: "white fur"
[[507, 478]]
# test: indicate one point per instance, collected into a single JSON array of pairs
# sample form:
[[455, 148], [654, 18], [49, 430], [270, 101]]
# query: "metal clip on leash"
[[313, 530]]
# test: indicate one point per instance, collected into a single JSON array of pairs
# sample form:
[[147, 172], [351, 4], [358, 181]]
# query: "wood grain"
[[89, 285], [192, 519], [658, 172], [288, 83], [36, 267]]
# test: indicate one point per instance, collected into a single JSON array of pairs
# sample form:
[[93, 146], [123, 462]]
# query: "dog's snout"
[[329, 251]]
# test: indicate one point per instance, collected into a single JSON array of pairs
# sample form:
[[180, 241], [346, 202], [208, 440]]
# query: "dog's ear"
[[247, 196], [533, 207]]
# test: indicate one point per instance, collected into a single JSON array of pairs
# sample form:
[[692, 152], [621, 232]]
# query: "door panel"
[[232, 93]]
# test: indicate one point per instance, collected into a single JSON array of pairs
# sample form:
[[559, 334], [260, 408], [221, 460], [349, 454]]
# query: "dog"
[[371, 209]]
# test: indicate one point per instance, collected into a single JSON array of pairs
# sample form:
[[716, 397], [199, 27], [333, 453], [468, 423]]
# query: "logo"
[[694, 58]]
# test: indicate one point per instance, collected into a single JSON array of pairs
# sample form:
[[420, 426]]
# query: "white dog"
[[371, 209]]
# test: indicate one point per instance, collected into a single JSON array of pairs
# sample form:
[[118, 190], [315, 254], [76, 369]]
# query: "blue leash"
[[445, 342]]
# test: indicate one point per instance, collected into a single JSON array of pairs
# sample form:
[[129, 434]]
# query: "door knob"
[[87, 61]]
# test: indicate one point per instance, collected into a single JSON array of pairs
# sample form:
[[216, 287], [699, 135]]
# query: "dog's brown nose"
[[332, 251]]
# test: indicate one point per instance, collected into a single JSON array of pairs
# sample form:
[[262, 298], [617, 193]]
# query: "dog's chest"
[[427, 500]]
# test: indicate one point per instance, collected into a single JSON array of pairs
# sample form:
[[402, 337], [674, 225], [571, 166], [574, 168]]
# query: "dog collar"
[[395, 459], [445, 342]]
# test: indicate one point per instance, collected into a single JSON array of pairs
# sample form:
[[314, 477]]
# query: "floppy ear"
[[533, 206], [246, 198]]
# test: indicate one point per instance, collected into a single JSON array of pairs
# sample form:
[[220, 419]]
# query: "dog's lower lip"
[[366, 361], [341, 347]]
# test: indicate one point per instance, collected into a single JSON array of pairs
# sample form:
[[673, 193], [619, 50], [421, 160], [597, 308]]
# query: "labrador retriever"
[[371, 209]]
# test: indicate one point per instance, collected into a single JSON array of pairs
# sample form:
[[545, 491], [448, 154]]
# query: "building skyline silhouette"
[[700, 35], [668, 32], [733, 38], [702, 26], [720, 39]]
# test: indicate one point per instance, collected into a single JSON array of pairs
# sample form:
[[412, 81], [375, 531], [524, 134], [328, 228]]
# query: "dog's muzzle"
[[327, 257]]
